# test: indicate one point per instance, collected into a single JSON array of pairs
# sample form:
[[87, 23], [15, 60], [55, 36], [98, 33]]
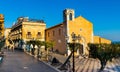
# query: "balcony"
[[39, 37], [29, 36]]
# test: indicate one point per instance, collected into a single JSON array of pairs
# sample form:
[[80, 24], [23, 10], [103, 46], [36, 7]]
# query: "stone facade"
[[56, 34]]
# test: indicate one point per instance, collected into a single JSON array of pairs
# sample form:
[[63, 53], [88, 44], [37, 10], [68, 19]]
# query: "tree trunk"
[[67, 60], [38, 53], [33, 49], [103, 64]]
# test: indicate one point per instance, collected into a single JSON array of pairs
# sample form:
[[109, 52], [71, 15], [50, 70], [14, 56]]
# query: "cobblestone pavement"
[[21, 62]]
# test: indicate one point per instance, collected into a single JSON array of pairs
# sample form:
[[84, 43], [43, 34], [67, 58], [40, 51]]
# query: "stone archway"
[[82, 50]]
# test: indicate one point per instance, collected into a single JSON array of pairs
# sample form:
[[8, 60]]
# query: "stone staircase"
[[90, 64]]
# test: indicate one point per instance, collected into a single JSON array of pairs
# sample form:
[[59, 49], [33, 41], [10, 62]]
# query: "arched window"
[[70, 16], [48, 34], [53, 33]]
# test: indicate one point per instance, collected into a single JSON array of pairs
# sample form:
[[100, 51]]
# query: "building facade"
[[26, 29], [7, 31], [98, 40], [1, 25], [61, 33]]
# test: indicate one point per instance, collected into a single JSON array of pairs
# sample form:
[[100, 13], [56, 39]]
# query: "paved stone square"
[[21, 62]]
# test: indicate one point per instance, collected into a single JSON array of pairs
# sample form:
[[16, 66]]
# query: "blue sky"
[[104, 14]]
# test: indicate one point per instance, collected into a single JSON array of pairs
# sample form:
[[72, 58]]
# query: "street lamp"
[[78, 37], [74, 38]]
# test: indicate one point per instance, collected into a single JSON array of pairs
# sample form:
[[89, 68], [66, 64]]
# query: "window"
[[48, 34], [1, 28], [39, 35], [0, 34], [70, 16], [53, 33], [59, 31], [29, 35]]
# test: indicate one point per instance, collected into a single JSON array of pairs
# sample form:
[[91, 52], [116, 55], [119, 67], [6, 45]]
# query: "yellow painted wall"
[[2, 24], [79, 26], [7, 31], [83, 27], [103, 40], [99, 40], [34, 28], [20, 31], [96, 39]]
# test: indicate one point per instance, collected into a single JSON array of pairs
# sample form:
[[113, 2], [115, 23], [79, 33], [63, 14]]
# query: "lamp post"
[[74, 38]]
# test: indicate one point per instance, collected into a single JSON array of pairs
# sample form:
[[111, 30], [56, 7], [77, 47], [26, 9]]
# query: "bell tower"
[[1, 25], [68, 15]]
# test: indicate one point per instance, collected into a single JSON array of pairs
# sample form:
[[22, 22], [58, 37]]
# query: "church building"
[[61, 33]]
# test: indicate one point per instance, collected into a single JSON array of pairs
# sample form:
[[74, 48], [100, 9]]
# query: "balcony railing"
[[38, 36], [29, 36]]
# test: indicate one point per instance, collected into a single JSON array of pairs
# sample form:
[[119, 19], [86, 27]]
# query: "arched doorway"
[[81, 50]]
